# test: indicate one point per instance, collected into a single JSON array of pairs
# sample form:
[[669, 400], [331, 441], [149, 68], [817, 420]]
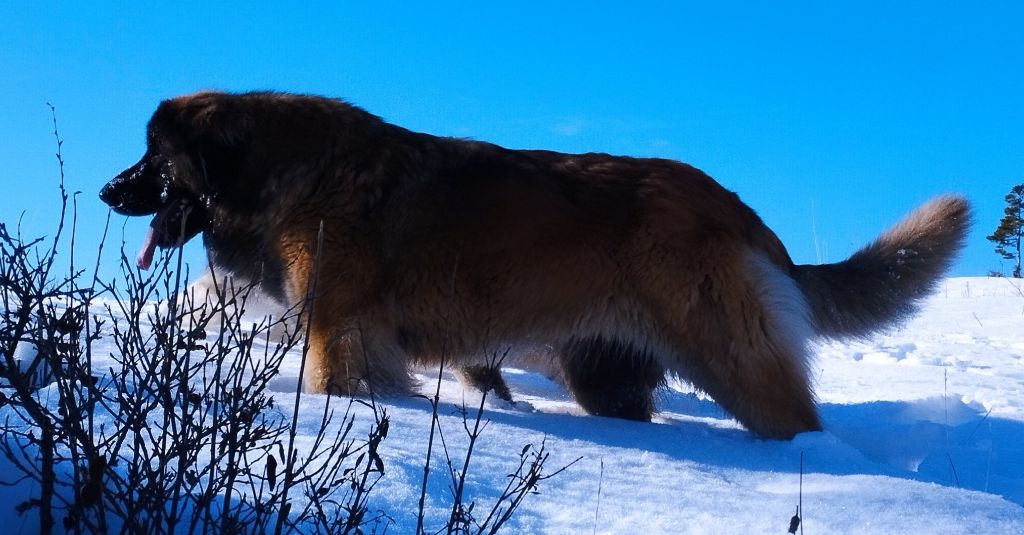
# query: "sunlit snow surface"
[[902, 412]]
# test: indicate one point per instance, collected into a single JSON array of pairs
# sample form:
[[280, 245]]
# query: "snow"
[[924, 433]]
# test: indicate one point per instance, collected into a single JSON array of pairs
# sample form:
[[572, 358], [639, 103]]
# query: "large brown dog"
[[430, 247]]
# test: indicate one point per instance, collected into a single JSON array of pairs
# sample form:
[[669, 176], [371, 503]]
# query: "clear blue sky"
[[831, 119]]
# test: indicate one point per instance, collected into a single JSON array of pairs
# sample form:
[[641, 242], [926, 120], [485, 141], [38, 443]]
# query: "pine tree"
[[1008, 234]]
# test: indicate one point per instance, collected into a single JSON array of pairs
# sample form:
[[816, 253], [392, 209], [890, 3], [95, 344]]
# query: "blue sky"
[[831, 119]]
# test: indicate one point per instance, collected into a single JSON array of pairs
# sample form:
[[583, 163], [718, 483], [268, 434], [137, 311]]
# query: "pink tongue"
[[145, 257]]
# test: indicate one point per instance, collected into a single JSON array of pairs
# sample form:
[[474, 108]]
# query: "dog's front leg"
[[356, 355], [352, 347]]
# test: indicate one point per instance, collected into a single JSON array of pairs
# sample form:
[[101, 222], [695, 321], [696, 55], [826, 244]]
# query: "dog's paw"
[[510, 405]]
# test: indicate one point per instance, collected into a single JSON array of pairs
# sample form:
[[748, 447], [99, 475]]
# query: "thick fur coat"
[[408, 247]]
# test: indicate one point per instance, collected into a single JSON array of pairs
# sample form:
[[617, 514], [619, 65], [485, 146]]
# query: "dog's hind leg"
[[745, 344], [611, 377], [762, 391]]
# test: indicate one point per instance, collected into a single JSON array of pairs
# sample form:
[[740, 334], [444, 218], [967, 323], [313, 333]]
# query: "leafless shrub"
[[524, 480]]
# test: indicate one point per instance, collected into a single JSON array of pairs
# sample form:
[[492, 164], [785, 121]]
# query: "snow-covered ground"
[[924, 433]]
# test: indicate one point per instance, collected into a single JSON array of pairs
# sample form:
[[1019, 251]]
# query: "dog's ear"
[[206, 135]]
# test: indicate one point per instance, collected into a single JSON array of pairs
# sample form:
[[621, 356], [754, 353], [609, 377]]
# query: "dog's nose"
[[133, 192], [107, 194]]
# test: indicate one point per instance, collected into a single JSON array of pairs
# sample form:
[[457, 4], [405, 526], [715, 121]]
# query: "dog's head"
[[194, 147]]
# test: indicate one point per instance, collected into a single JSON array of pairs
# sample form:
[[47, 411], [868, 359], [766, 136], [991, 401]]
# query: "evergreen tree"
[[1008, 234]]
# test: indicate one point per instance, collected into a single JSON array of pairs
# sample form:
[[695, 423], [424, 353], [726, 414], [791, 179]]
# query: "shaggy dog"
[[408, 247]]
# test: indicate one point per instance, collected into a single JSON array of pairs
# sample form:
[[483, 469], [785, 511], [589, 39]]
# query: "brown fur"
[[629, 268]]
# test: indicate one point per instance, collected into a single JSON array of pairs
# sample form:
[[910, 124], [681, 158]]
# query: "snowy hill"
[[924, 433]]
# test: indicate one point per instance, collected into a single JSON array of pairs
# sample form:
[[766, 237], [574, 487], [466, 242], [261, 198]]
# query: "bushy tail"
[[882, 283]]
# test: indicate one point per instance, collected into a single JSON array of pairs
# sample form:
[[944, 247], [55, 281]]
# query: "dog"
[[409, 248]]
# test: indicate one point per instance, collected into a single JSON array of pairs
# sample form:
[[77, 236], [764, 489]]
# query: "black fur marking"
[[611, 378]]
